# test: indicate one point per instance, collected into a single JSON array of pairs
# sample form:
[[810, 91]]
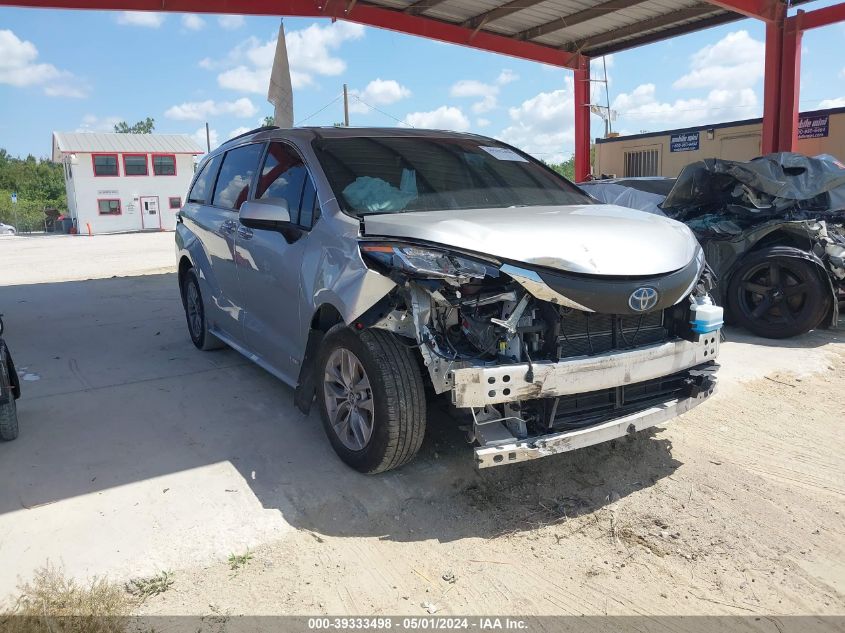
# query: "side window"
[[309, 204], [284, 177], [201, 191], [239, 165]]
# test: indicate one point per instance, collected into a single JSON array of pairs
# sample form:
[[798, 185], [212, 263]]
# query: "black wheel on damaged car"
[[8, 410], [371, 397], [776, 293], [195, 312]]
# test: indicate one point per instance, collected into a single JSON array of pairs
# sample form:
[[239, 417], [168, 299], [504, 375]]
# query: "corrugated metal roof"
[[589, 27], [143, 143]]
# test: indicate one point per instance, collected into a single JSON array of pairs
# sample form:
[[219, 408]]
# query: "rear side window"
[[201, 191], [285, 177], [239, 165]]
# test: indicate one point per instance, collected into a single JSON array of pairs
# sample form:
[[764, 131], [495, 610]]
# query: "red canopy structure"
[[564, 33]]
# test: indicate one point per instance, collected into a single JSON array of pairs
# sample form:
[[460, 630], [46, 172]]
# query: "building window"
[[109, 207], [164, 165], [105, 164], [135, 165], [641, 163], [176, 203]]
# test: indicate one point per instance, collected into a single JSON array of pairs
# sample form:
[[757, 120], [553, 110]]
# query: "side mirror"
[[271, 215]]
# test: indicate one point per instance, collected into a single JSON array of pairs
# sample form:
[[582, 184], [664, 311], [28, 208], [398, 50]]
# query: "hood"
[[590, 239]]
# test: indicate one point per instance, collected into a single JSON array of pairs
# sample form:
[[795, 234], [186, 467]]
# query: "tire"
[[8, 411], [194, 306], [776, 294], [384, 373]]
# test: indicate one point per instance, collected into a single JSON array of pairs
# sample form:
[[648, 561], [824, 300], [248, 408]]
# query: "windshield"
[[397, 174]]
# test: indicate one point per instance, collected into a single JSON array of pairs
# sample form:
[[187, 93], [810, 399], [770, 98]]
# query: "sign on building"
[[684, 142], [815, 126]]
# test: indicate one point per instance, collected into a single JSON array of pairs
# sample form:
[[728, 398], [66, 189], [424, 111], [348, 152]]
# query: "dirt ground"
[[736, 509], [139, 454]]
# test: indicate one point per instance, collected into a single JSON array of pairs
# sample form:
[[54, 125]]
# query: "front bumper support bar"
[[481, 386], [544, 445]]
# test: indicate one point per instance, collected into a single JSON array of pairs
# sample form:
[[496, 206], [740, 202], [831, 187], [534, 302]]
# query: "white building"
[[125, 182]]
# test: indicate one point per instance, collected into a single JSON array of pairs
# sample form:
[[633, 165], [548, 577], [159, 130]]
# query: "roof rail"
[[263, 128]]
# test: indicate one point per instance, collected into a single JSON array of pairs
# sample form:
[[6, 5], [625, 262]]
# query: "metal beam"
[[421, 6], [572, 19], [767, 10], [790, 81], [498, 13], [771, 87], [668, 19], [581, 90], [664, 34], [823, 17], [362, 13]]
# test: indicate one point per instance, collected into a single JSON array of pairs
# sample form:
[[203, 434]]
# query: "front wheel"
[[372, 400], [775, 294]]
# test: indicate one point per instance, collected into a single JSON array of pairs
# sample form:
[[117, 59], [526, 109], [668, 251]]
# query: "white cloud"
[[482, 122], [199, 137], [193, 22], [734, 62], [842, 73], [379, 92], [66, 90], [643, 106], [199, 110], [19, 67], [231, 22], [544, 125], [238, 131], [728, 71], [838, 102], [443, 118], [310, 51], [92, 123], [148, 19], [506, 76], [472, 88]]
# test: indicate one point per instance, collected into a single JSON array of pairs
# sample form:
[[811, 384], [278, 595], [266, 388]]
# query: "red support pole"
[[790, 84], [582, 119], [771, 86]]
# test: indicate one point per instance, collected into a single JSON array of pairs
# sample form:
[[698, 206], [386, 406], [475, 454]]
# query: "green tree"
[[141, 127], [268, 120], [39, 184], [567, 167]]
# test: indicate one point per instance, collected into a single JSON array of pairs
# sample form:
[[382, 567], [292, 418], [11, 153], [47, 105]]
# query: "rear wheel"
[[775, 294], [195, 313], [372, 400]]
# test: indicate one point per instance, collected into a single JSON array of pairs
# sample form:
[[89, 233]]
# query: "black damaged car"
[[772, 229]]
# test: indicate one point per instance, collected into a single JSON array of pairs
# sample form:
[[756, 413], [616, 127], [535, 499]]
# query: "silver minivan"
[[374, 270]]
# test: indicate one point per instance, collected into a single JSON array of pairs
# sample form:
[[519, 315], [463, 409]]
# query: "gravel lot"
[[139, 454]]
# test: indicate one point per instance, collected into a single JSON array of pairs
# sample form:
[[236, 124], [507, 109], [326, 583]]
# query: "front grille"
[[585, 333], [584, 409]]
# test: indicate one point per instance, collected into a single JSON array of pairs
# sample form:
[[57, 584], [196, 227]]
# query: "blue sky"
[[84, 70]]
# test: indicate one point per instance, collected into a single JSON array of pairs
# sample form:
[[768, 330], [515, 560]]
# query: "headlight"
[[430, 263]]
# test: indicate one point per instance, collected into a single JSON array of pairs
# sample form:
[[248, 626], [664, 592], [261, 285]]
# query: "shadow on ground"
[[116, 394]]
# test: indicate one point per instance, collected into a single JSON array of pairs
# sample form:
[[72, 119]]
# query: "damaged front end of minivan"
[[541, 360]]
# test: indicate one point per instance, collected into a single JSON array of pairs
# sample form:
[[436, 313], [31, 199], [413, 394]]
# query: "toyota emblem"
[[643, 299]]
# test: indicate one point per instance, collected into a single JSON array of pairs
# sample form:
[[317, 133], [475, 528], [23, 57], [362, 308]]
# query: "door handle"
[[227, 226], [245, 232]]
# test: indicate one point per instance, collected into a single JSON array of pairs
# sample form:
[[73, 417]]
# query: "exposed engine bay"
[[521, 355]]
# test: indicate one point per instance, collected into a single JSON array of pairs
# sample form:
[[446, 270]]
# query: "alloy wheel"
[[193, 306], [773, 292], [349, 399]]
